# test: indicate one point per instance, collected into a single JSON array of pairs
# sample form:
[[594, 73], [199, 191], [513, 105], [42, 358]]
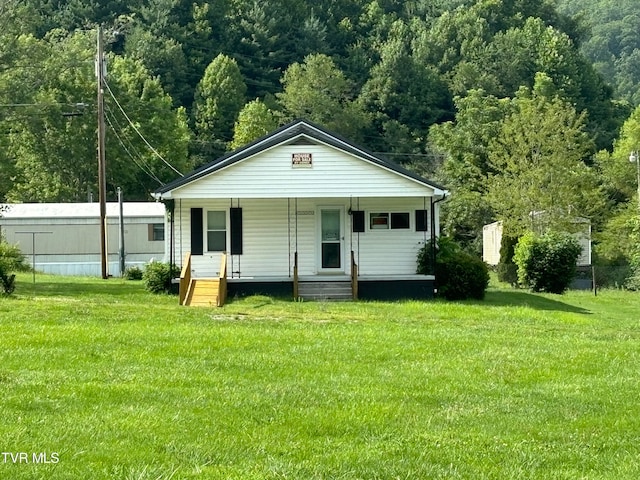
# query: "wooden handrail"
[[185, 277], [354, 276], [295, 276], [222, 285]]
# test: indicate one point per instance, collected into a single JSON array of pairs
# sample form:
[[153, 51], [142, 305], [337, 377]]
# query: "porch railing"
[[222, 281], [185, 278], [354, 276], [295, 276]]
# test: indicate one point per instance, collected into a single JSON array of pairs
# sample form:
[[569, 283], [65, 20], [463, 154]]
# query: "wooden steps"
[[323, 290], [203, 293]]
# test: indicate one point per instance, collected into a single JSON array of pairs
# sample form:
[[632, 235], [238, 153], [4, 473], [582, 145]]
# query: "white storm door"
[[331, 240]]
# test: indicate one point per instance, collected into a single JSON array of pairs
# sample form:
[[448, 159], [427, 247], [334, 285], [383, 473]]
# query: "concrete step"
[[323, 290]]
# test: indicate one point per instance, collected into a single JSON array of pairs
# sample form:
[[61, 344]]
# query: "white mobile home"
[[492, 240], [66, 236], [306, 213]]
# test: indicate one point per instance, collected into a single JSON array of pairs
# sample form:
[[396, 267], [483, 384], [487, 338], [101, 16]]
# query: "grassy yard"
[[105, 381]]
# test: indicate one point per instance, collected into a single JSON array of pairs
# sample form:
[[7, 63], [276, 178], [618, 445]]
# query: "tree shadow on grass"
[[530, 300]]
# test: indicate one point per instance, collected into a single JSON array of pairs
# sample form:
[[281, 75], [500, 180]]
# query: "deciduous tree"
[[537, 162], [219, 97]]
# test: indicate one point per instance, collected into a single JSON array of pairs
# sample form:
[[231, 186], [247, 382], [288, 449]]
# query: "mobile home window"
[[216, 231], [156, 232]]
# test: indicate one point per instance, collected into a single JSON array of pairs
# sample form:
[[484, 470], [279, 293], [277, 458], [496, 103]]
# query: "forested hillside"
[[493, 98], [611, 41]]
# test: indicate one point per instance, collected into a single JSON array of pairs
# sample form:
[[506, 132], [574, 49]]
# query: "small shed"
[[66, 236]]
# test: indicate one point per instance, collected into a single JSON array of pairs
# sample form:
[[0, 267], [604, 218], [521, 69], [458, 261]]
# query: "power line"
[[138, 131], [144, 168], [131, 145], [52, 104]]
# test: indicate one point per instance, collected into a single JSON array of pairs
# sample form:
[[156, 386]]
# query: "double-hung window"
[[216, 231]]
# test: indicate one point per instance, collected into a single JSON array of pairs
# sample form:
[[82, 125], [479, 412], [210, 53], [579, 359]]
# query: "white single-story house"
[[492, 240], [302, 212], [66, 236]]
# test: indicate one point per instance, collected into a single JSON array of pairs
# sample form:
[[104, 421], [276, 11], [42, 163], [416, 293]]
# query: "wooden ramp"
[[203, 293]]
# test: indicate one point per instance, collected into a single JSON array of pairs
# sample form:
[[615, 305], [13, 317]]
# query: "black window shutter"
[[235, 217], [422, 225], [357, 219], [196, 231]]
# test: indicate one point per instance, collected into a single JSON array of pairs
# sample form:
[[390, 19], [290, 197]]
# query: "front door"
[[331, 239]]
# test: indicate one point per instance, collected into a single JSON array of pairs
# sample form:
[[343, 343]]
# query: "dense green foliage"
[[611, 41], [546, 263], [11, 261], [481, 95], [157, 277], [459, 275], [507, 270], [633, 282], [134, 273]]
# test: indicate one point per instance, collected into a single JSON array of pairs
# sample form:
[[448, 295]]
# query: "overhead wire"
[[142, 164], [139, 133], [122, 129]]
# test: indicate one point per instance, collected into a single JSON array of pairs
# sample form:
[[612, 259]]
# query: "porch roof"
[[289, 134]]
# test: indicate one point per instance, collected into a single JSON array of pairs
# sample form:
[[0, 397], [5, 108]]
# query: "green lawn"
[[113, 383]]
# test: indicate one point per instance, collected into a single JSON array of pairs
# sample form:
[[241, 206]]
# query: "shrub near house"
[[459, 275]]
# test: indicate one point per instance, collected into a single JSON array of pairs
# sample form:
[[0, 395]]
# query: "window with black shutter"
[[422, 223], [235, 224], [197, 235], [357, 221]]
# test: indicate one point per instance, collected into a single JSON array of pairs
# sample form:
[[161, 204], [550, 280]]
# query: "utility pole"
[[100, 72]]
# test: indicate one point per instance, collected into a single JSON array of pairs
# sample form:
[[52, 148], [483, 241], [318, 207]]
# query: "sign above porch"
[[301, 160]]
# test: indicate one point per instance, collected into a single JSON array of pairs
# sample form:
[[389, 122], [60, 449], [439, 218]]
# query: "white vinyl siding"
[[273, 232], [389, 251], [334, 174]]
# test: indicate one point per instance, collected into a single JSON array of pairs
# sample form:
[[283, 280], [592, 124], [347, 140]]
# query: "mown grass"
[[122, 384]]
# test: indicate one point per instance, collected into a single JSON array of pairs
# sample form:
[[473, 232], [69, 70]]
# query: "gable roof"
[[290, 134]]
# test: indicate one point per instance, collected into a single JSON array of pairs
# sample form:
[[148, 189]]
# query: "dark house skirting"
[[415, 289], [396, 289], [282, 289]]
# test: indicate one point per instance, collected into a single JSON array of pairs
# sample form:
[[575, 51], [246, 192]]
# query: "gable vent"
[[303, 141]]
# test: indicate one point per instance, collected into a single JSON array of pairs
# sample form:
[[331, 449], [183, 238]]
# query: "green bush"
[[633, 280], [11, 260], [133, 273], [459, 275], [157, 277], [507, 270], [547, 263]]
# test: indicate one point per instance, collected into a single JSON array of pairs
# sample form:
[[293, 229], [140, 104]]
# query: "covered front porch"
[[303, 206], [215, 291]]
